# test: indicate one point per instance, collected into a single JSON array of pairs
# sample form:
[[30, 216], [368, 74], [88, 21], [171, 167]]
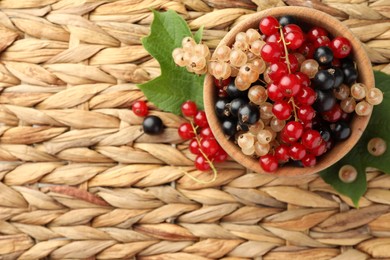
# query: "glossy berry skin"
[[268, 163], [319, 150], [189, 108], [229, 127], [287, 19], [220, 156], [333, 115], [321, 41], [311, 139], [281, 153], [294, 39], [271, 52], [297, 151], [235, 105], [274, 92], [140, 108], [315, 33], [269, 25], [206, 133], [277, 70], [293, 130], [303, 79], [282, 110], [201, 163], [306, 96], [323, 55], [152, 125], [323, 80], [350, 75], [325, 101], [194, 146], [289, 85], [341, 131], [186, 131], [209, 146], [248, 114], [200, 119], [306, 113], [341, 47], [294, 64], [307, 49], [338, 76], [220, 107], [233, 91], [309, 160], [222, 83]]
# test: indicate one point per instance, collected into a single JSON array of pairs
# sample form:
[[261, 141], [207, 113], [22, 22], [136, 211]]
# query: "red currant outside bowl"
[[358, 123]]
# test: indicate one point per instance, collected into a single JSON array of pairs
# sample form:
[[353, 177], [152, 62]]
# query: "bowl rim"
[[358, 123]]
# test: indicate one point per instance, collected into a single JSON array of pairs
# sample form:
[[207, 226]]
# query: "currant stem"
[[215, 173], [294, 108]]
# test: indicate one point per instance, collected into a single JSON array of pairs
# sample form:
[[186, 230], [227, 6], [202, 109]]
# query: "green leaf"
[[359, 156], [198, 34], [176, 84]]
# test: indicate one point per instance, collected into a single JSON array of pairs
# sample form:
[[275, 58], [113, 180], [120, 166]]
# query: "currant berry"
[[348, 173], [307, 49], [235, 105], [152, 125], [321, 41], [323, 80], [201, 163], [315, 33], [297, 151], [311, 139], [233, 91], [206, 132], [332, 115], [268, 163], [306, 113], [293, 130], [221, 108], [323, 55], [140, 108], [219, 83], [269, 25], [282, 110], [220, 156], [194, 146], [309, 160], [274, 92], [294, 39], [186, 131], [341, 131], [341, 47], [257, 94], [319, 150], [248, 114], [209, 146], [189, 108], [325, 101], [200, 119], [277, 70], [289, 85], [229, 127], [303, 79], [281, 153], [271, 52], [376, 146], [374, 96], [306, 96], [294, 64], [287, 19], [350, 75]]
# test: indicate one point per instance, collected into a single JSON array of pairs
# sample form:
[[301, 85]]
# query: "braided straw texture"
[[79, 179]]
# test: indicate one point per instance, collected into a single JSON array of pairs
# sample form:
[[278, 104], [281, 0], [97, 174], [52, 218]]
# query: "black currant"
[[341, 131], [153, 125], [325, 132], [235, 105], [350, 75], [221, 108], [287, 19], [325, 101], [347, 62], [338, 76], [323, 55], [248, 114], [229, 127], [324, 80], [234, 92]]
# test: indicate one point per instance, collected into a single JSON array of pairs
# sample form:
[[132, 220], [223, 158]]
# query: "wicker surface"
[[81, 181]]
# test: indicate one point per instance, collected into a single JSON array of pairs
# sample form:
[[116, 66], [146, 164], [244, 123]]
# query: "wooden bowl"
[[358, 124]]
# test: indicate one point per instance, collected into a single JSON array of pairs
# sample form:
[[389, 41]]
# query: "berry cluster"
[[202, 141], [285, 95], [191, 55]]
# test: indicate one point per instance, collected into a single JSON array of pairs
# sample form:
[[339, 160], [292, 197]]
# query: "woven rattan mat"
[[79, 180]]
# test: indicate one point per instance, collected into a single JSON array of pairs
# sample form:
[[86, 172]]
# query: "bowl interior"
[[358, 124]]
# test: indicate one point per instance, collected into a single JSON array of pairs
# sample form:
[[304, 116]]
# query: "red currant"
[[306, 113], [281, 153], [321, 41], [277, 70], [194, 146], [186, 131], [306, 96], [289, 85], [307, 49], [309, 160], [206, 133], [297, 151], [209, 146], [281, 110], [222, 83], [341, 47], [316, 32], [269, 163], [140, 108], [293, 130], [294, 65], [311, 139], [200, 119], [271, 52], [291, 28], [303, 79], [334, 114], [320, 150], [294, 39], [201, 163], [189, 108], [275, 38], [220, 156], [269, 25], [274, 92]]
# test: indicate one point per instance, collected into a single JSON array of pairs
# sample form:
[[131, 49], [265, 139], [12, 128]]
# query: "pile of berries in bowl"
[[290, 90]]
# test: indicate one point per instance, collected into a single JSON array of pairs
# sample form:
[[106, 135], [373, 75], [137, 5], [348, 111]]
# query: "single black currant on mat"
[[153, 125]]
